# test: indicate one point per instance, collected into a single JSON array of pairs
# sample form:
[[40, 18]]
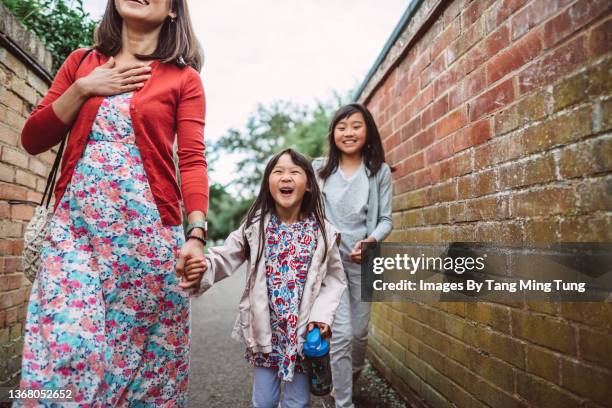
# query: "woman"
[[107, 318]]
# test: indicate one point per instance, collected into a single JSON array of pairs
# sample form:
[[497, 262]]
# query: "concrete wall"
[[497, 115], [24, 77]]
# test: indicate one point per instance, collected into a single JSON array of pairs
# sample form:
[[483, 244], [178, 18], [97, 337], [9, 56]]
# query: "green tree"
[[62, 25], [265, 134]]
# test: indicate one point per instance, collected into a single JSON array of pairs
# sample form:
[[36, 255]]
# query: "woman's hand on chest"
[[108, 79]]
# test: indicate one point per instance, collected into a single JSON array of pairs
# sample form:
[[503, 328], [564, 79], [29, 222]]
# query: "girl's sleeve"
[[332, 287], [190, 134], [223, 261], [44, 129], [384, 224]]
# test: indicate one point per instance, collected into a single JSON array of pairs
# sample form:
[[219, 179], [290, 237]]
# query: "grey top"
[[346, 206], [380, 194]]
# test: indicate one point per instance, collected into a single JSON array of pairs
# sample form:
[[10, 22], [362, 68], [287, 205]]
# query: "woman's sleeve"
[[44, 129], [333, 285], [223, 261], [384, 224], [190, 133]]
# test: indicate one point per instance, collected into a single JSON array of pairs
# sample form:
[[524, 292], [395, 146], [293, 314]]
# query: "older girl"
[[357, 192]]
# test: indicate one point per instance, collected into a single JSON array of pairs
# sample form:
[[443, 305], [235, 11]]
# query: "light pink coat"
[[323, 288]]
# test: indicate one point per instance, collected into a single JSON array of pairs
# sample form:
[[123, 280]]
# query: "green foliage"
[[62, 25], [225, 212], [269, 129]]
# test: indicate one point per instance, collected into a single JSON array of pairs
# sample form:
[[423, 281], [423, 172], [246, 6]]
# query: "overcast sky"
[[296, 50]]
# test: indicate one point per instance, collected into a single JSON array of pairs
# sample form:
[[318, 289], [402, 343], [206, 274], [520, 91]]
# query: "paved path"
[[221, 378]]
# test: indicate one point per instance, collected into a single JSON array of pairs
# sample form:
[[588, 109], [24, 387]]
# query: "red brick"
[[433, 71], [475, 83], [411, 164], [572, 19], [533, 14], [8, 135], [457, 95], [473, 135], [542, 394], [590, 157], [560, 62], [498, 150], [473, 12], [12, 192], [501, 10], [527, 172], [600, 39], [514, 57], [422, 178], [14, 157], [587, 381], [544, 363], [587, 228], [548, 201], [450, 123], [465, 41], [449, 34], [22, 212], [490, 101], [411, 129], [25, 178], [596, 347], [447, 79], [558, 130]]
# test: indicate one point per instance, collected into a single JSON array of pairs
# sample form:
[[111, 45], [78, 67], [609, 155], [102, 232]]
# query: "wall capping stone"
[[417, 19], [25, 45]]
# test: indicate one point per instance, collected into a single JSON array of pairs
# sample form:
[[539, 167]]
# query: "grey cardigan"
[[379, 222]]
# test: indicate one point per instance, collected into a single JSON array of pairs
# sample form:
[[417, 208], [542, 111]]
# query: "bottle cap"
[[315, 345]]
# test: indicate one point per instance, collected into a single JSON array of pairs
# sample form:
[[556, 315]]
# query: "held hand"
[[107, 79], [324, 328], [191, 264], [356, 252], [194, 271]]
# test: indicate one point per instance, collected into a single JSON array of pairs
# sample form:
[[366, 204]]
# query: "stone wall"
[[497, 116], [25, 67]]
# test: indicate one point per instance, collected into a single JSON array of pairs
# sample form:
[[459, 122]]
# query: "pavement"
[[221, 378]]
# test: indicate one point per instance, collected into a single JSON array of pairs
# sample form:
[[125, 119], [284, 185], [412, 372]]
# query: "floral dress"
[[106, 317], [288, 252]]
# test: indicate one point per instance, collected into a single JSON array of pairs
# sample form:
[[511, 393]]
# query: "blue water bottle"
[[316, 350]]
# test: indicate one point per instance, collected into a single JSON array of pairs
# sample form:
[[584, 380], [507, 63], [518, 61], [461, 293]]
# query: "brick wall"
[[24, 73], [497, 115]]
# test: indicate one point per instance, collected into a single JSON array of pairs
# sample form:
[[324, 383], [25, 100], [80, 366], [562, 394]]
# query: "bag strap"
[[58, 157]]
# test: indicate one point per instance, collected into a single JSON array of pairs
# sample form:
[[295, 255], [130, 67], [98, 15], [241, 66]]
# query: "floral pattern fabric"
[[106, 317], [288, 253]]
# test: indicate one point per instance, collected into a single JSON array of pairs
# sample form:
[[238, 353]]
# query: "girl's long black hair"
[[312, 203], [373, 152]]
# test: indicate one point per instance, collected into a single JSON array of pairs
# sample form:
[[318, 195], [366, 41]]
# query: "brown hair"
[[373, 151], [177, 42], [312, 202]]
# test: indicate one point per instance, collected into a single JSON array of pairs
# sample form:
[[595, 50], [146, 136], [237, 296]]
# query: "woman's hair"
[[312, 204], [373, 152], [177, 42]]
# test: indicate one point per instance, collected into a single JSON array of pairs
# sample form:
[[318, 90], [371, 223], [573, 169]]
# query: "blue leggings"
[[267, 389]]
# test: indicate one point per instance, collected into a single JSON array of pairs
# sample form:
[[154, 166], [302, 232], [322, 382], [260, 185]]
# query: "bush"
[[62, 26]]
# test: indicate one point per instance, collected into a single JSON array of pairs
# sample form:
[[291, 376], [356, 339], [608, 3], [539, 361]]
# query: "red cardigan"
[[171, 103]]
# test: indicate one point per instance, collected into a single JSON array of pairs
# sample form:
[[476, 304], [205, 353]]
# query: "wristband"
[[202, 240]]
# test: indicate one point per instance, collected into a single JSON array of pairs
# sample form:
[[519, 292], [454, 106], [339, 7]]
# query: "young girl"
[[294, 277], [356, 186]]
